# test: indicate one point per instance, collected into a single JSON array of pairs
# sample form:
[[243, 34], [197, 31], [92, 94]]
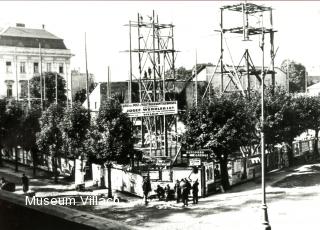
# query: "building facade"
[[26, 52], [79, 81]]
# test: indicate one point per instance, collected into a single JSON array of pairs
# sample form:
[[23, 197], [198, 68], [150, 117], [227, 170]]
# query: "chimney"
[[43, 26], [20, 25]]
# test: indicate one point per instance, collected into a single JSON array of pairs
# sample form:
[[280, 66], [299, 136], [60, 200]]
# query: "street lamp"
[[265, 221]]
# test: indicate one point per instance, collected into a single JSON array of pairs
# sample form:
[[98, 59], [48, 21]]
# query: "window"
[[8, 67], [23, 89], [61, 68], [22, 67], [36, 67], [49, 67], [9, 90]]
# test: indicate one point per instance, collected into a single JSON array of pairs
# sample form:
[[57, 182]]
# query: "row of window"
[[35, 67]]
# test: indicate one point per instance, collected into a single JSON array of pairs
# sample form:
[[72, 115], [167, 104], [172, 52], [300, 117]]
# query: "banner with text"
[[150, 108]]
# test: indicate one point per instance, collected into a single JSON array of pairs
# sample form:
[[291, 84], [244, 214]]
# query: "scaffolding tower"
[[152, 67], [239, 77]]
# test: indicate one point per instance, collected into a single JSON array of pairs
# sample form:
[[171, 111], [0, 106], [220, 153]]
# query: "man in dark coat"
[[146, 187], [195, 190], [177, 190], [25, 183]]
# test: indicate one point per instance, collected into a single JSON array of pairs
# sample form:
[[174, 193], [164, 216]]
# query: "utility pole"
[[56, 88], [87, 82], [109, 85], [196, 75], [41, 93], [265, 221], [29, 102]]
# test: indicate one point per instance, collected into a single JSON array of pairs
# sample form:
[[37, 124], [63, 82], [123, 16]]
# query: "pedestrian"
[[25, 183], [167, 192], [195, 190], [160, 192], [185, 192], [2, 182], [177, 190], [216, 173], [146, 187]]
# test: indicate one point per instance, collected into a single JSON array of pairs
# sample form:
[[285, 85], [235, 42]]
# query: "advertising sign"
[[150, 108], [202, 153], [163, 162], [194, 162]]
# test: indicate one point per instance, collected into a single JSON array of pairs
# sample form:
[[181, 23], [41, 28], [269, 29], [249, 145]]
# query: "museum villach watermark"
[[69, 201]]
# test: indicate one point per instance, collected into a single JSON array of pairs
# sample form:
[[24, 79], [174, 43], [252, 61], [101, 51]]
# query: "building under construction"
[[152, 67], [257, 24]]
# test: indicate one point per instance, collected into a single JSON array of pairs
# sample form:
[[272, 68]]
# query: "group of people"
[[182, 190], [6, 185]]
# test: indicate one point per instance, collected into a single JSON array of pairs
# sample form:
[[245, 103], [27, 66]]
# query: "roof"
[[30, 38], [315, 86], [27, 33]]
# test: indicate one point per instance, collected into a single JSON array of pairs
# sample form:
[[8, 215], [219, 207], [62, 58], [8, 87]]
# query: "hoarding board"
[[150, 108]]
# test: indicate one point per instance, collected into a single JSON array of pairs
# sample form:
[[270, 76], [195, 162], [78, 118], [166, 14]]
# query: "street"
[[292, 198]]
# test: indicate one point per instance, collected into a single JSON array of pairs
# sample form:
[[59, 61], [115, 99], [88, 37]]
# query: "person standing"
[[146, 187], [25, 183], [177, 190], [167, 192], [195, 190]]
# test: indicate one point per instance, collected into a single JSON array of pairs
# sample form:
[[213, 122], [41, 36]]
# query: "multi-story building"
[[79, 81], [26, 52]]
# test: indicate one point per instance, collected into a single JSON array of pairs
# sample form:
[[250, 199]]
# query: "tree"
[[282, 123], [12, 128], [80, 96], [297, 75], [75, 125], [30, 127], [222, 125], [49, 139], [50, 80], [2, 126], [111, 140], [308, 110]]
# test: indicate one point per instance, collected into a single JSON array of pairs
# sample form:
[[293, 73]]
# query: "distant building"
[[24, 53], [205, 73], [314, 90], [79, 81]]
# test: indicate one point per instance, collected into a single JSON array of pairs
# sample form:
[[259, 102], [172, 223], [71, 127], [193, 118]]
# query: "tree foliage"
[[222, 125], [50, 83], [49, 139], [75, 125], [111, 138], [297, 75]]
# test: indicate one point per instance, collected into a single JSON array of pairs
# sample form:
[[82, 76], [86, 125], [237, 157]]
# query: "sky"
[[103, 22]]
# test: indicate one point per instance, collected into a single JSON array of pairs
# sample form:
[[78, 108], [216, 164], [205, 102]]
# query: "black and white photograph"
[[180, 115]]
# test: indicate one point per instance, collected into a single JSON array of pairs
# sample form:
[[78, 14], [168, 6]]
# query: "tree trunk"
[[16, 159], [109, 182], [245, 173], [316, 151], [0, 156], [102, 182], [34, 161], [55, 170], [224, 173], [290, 155]]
